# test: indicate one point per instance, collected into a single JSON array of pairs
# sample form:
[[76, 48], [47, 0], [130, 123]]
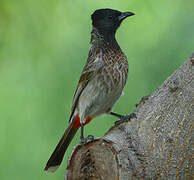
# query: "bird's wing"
[[93, 65]]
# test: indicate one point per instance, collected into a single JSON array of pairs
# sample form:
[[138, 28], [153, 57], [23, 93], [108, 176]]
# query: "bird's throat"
[[100, 38]]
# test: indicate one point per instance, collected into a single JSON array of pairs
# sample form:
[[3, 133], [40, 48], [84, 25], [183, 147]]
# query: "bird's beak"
[[125, 15]]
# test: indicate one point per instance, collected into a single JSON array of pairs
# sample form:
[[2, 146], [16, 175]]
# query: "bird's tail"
[[57, 156]]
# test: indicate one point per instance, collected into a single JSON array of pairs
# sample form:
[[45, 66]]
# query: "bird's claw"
[[125, 118], [83, 141], [90, 138], [86, 140]]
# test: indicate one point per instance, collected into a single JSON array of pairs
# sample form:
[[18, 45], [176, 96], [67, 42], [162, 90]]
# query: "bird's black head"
[[108, 20]]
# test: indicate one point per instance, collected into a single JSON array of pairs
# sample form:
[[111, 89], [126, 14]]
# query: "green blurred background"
[[43, 47]]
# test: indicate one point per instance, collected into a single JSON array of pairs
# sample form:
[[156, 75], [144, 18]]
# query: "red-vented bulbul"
[[102, 80]]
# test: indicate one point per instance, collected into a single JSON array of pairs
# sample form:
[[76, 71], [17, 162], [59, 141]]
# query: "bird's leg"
[[85, 140], [122, 117], [82, 134]]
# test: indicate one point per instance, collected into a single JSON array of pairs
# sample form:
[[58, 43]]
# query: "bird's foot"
[[126, 118], [86, 140], [90, 138]]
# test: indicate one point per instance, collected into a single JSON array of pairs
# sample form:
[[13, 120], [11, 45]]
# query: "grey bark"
[[158, 144]]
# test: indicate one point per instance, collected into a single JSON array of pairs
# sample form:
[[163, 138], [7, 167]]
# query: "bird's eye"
[[110, 17]]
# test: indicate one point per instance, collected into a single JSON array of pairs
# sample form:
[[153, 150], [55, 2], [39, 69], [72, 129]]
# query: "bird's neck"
[[103, 38]]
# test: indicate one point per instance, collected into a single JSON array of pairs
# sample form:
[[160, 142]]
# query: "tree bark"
[[155, 145]]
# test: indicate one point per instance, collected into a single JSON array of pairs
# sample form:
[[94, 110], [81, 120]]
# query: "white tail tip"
[[51, 169]]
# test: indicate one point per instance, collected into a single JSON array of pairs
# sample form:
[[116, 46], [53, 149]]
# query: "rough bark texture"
[[158, 144]]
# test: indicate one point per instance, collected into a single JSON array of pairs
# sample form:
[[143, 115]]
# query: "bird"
[[101, 82]]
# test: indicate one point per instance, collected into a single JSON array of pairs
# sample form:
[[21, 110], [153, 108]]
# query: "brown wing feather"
[[88, 72]]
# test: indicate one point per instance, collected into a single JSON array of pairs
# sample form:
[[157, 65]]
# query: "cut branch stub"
[[94, 161]]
